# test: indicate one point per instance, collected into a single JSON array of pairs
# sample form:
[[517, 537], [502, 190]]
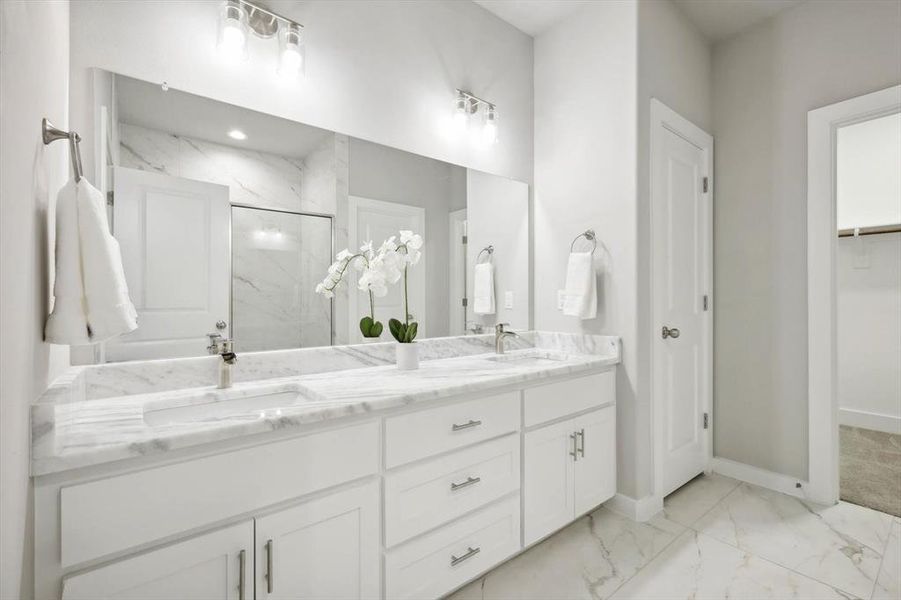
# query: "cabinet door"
[[595, 465], [324, 548], [206, 567], [548, 481]]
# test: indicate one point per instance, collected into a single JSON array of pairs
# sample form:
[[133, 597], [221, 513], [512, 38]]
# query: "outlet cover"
[[508, 299], [561, 298]]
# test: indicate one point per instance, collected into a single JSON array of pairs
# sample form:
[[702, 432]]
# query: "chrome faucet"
[[225, 350], [500, 335]]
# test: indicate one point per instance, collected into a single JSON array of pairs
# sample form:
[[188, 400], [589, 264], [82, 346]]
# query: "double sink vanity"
[[322, 472]]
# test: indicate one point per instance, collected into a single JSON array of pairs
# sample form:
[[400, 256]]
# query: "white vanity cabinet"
[[323, 549], [212, 566], [410, 503]]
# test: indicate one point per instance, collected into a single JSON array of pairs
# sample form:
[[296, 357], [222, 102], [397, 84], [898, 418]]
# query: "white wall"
[[765, 81], [868, 281], [34, 71], [868, 173], [497, 213], [585, 177], [380, 71]]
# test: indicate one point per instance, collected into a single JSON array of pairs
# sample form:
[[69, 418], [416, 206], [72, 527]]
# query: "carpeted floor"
[[870, 473]]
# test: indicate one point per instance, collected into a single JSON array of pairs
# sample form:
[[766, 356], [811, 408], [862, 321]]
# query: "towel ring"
[[588, 235], [489, 249]]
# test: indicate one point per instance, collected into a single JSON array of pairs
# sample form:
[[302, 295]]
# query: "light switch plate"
[[561, 298], [508, 299]]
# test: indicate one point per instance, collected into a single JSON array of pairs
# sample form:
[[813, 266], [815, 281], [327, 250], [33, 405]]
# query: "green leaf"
[[366, 326], [398, 329], [376, 329], [411, 332]]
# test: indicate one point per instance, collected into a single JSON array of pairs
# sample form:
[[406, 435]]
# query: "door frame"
[[454, 217], [353, 304], [822, 360], [664, 118]]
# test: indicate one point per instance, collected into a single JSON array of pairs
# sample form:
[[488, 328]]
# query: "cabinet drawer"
[[117, 513], [423, 496], [435, 564], [426, 433], [554, 400]]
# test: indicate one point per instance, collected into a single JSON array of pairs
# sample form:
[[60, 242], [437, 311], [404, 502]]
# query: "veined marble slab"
[[77, 422]]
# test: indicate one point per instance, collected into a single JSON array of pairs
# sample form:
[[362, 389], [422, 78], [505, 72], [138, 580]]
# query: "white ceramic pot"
[[372, 340], [408, 356]]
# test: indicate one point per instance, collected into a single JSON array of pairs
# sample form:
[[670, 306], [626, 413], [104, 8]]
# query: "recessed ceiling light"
[[237, 134]]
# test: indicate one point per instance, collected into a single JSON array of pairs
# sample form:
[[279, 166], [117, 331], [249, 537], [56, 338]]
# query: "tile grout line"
[[780, 565], [685, 529]]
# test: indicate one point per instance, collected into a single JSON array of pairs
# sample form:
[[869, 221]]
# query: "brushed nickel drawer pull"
[[469, 481], [471, 423], [575, 451], [581, 448], [270, 583], [242, 566], [470, 552]]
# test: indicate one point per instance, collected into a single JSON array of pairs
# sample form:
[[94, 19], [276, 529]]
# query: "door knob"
[[669, 333], [220, 325]]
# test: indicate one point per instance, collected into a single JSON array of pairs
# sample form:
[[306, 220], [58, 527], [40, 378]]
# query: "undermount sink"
[[528, 357], [250, 408]]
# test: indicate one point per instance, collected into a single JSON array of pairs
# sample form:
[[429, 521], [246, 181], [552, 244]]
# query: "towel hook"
[[589, 235], [50, 134], [489, 249]]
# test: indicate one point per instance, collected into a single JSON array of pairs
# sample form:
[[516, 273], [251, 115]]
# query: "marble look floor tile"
[[888, 584], [689, 503], [696, 566], [840, 545], [587, 560]]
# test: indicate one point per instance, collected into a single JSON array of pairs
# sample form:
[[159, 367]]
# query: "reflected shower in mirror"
[[228, 218]]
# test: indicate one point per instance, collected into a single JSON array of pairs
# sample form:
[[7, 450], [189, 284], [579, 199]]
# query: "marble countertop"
[[72, 434]]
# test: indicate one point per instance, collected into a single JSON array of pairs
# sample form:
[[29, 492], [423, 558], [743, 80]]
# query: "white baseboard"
[[869, 420], [640, 510], [762, 477]]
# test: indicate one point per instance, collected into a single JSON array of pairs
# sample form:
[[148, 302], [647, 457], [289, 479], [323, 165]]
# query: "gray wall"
[[34, 71], [765, 82], [381, 173]]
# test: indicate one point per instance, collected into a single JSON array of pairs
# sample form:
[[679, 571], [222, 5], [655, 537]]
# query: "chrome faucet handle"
[[499, 328], [215, 340]]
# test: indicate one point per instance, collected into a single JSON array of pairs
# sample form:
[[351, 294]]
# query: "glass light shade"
[[233, 31], [489, 128], [291, 52], [461, 114]]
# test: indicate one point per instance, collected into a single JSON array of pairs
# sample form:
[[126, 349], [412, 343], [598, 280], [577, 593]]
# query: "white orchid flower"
[[411, 240]]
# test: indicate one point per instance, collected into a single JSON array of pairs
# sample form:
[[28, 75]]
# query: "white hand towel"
[[581, 293], [483, 289], [91, 297]]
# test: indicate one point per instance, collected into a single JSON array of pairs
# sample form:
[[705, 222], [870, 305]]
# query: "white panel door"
[[206, 567], [323, 549], [595, 465], [548, 502], [681, 286], [176, 251], [376, 220]]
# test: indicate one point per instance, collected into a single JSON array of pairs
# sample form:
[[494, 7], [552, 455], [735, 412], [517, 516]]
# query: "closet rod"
[[874, 230]]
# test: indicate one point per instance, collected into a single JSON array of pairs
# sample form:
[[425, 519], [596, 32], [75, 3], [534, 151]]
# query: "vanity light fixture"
[[237, 18], [237, 134], [466, 105]]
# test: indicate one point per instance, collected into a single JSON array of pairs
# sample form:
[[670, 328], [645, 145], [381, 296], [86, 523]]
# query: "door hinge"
[[706, 302], [706, 184], [109, 198], [465, 239], [465, 301], [706, 421]]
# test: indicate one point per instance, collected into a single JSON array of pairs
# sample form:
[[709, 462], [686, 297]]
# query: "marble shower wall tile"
[[699, 567], [840, 545], [254, 178]]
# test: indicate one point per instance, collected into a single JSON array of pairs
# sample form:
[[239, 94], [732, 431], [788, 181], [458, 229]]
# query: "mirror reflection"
[[228, 219]]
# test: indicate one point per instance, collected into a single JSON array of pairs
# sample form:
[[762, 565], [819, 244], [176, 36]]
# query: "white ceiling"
[[716, 19], [533, 16], [180, 113], [722, 19]]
